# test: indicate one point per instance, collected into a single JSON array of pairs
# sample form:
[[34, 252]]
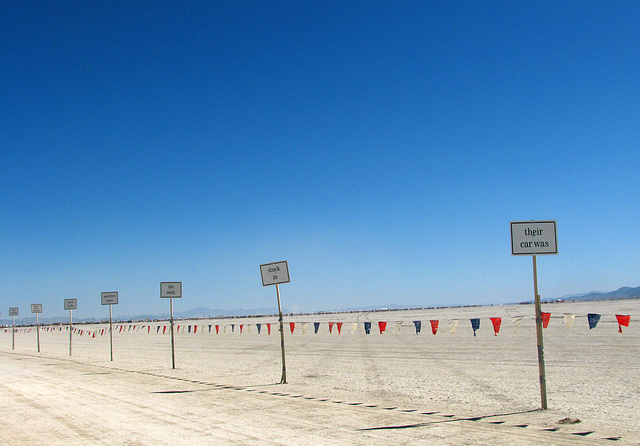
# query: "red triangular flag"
[[434, 326], [241, 325], [496, 321], [268, 329], [546, 317], [217, 329], [331, 324], [339, 325], [382, 326], [623, 320], [292, 326]]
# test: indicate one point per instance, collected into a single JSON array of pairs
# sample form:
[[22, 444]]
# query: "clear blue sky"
[[381, 148]]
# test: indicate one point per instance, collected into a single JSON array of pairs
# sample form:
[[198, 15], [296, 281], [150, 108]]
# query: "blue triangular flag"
[[418, 325], [475, 324], [316, 326], [593, 320], [367, 327]]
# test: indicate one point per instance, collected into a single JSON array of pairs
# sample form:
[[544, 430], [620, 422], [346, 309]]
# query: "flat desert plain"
[[398, 387]]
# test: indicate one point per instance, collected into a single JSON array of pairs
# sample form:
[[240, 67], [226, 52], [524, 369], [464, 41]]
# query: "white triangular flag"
[[569, 319], [517, 320]]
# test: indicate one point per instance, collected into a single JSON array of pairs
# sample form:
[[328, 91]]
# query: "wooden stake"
[[539, 328]]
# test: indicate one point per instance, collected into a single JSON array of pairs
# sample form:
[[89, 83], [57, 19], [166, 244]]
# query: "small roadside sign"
[[171, 290], [36, 308], [533, 237], [109, 298], [274, 273], [13, 311], [71, 304]]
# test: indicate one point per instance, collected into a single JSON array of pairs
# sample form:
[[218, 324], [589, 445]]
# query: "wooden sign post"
[[275, 274], [171, 290], [37, 309], [70, 304], [13, 312], [533, 238], [110, 298]]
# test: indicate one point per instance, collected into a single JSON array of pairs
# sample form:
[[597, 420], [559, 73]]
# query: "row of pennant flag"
[[496, 322]]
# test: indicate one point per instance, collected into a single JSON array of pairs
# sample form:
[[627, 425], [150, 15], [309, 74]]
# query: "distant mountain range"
[[621, 293], [203, 312]]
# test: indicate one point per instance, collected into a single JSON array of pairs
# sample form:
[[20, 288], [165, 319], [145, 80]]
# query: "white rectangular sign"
[[533, 237], [171, 289], [13, 311], [109, 298], [71, 304], [274, 273], [36, 308]]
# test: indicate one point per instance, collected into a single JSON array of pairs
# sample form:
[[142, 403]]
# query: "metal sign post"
[[70, 304], [532, 238], [13, 312], [275, 274], [110, 298], [171, 290], [37, 309]]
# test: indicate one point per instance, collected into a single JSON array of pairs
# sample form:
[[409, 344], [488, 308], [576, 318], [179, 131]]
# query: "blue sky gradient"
[[381, 148]]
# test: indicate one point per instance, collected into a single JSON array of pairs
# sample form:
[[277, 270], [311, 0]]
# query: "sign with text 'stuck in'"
[[533, 237], [71, 304], [171, 289], [274, 273]]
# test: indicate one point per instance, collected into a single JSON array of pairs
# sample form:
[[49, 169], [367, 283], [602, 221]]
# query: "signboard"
[[13, 311], [71, 304], [36, 308], [109, 298], [274, 273], [533, 237], [171, 289]]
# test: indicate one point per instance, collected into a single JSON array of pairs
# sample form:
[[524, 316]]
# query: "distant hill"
[[621, 293], [203, 312]]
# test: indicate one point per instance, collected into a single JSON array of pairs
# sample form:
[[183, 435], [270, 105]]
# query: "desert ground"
[[396, 387]]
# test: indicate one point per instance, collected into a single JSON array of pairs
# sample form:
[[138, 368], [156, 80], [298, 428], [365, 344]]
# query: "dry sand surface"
[[447, 389]]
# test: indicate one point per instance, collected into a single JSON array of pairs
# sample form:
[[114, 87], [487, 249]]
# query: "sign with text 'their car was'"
[[274, 273], [71, 304], [171, 289], [533, 237], [109, 298]]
